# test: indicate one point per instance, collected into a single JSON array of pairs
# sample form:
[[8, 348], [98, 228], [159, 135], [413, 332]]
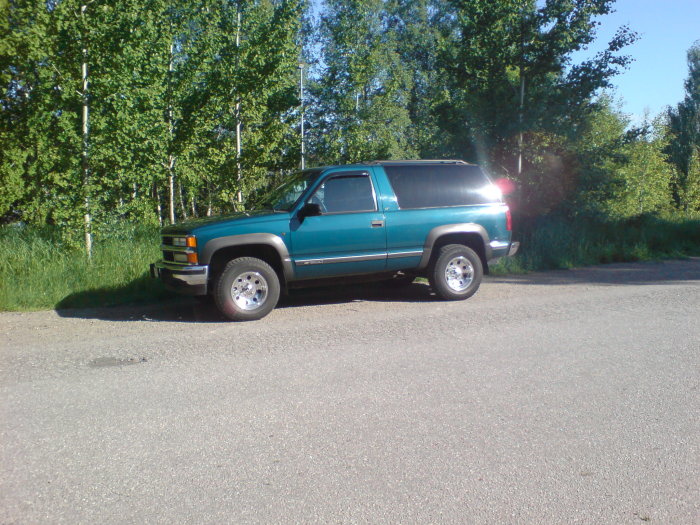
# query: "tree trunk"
[[171, 189], [208, 200], [239, 174], [159, 209], [183, 210], [520, 122], [171, 157], [86, 137]]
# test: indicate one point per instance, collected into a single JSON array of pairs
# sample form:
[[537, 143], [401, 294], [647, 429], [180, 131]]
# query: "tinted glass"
[[426, 186], [284, 196], [345, 193]]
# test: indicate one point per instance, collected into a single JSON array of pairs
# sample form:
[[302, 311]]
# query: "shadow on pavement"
[[190, 310], [201, 310]]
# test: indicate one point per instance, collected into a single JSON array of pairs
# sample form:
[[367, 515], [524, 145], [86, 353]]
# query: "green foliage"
[[175, 85], [643, 182], [553, 242], [599, 150], [689, 191], [684, 127], [361, 97], [164, 78], [508, 48], [47, 270]]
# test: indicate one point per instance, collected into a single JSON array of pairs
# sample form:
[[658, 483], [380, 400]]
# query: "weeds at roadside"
[[43, 270], [46, 271], [549, 243]]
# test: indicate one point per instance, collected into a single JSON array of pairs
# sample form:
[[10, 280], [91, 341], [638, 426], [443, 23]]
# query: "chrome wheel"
[[249, 291], [459, 273]]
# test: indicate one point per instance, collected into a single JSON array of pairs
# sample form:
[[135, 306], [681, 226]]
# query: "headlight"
[[189, 258], [190, 241]]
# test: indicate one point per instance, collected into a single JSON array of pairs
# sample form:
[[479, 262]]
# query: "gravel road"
[[558, 397]]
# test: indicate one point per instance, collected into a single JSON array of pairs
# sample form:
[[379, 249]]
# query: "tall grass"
[[555, 242], [41, 269]]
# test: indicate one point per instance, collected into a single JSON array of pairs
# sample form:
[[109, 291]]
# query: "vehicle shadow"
[[175, 308]]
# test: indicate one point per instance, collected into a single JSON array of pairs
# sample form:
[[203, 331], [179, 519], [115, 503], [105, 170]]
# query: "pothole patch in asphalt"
[[102, 362]]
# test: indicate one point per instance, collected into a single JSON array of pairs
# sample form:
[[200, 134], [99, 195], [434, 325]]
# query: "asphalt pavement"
[[558, 397]]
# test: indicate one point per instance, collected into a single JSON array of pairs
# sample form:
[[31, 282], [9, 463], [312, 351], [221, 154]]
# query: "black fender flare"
[[445, 229], [268, 239]]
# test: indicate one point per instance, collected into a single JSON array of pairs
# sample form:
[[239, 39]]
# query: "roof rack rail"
[[426, 161]]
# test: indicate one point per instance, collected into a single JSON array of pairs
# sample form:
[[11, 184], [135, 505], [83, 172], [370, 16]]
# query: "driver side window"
[[345, 194]]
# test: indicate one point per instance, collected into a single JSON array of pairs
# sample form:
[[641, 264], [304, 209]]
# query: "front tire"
[[456, 273], [247, 289]]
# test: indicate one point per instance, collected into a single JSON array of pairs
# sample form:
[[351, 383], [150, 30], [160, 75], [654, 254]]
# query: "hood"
[[190, 225]]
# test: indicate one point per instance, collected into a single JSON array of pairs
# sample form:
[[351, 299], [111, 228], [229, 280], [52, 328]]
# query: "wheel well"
[[264, 252], [472, 240]]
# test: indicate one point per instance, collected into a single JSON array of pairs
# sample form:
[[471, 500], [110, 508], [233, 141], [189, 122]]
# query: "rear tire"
[[247, 289], [456, 273]]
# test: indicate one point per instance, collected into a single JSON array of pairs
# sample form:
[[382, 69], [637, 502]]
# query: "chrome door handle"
[[377, 224]]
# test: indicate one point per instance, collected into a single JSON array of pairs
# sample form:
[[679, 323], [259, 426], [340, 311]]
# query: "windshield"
[[284, 196]]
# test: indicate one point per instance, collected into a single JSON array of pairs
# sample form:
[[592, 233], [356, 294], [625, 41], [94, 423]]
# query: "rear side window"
[[435, 186]]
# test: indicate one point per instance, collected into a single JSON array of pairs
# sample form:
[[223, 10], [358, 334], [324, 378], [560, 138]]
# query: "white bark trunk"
[[520, 122], [208, 200], [183, 209], [171, 158], [159, 209], [171, 189], [86, 137], [239, 173]]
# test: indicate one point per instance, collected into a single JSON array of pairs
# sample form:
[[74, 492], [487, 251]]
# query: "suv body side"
[[384, 217]]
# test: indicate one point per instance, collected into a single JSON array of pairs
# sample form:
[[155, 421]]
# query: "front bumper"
[[189, 280]]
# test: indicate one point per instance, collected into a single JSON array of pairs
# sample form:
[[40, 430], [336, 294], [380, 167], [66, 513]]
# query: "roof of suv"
[[437, 161]]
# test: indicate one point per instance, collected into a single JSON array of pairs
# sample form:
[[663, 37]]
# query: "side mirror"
[[310, 209]]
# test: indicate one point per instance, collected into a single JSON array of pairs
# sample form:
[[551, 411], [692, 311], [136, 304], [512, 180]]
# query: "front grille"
[[169, 250]]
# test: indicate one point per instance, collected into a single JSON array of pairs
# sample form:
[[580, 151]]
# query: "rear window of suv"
[[436, 186]]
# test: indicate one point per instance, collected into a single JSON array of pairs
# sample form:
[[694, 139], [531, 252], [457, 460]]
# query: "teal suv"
[[393, 220]]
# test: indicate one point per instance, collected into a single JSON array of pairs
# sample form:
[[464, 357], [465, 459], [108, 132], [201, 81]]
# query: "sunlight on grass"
[[44, 271]]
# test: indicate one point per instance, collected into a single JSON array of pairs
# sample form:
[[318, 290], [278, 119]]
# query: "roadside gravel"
[[557, 397]]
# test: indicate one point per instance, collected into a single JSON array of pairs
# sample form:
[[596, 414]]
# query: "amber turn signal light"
[[191, 242]]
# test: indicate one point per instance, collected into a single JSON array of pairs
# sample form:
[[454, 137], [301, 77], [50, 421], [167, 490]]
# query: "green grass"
[[552, 242], [41, 270]]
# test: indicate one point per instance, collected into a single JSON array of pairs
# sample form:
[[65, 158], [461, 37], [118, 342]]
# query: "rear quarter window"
[[440, 186]]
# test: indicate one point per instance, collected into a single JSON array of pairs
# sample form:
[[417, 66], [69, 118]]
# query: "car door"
[[348, 237]]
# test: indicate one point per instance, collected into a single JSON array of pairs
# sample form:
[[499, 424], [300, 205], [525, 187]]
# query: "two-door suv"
[[444, 220]]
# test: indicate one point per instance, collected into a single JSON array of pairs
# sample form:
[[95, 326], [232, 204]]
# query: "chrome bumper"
[[191, 280], [501, 249]]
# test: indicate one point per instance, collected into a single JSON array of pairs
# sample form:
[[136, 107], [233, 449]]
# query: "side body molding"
[[439, 231], [268, 239]]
